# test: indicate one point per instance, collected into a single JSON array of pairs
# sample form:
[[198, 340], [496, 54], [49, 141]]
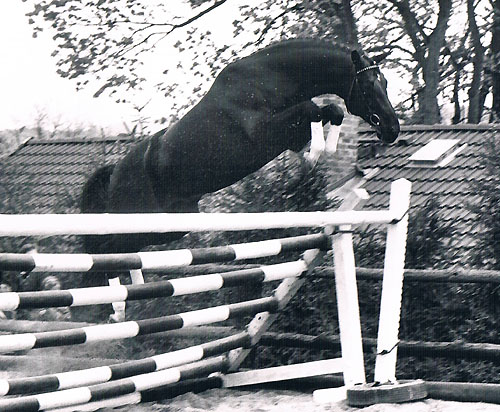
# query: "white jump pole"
[[392, 285], [106, 224], [349, 322], [347, 299]]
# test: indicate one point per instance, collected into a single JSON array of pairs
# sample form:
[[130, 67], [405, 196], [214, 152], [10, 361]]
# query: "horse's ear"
[[356, 59], [377, 59]]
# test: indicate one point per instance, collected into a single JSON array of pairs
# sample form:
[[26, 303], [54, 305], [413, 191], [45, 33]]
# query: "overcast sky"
[[29, 83]]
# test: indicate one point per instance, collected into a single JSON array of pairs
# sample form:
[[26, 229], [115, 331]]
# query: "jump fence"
[[132, 381]]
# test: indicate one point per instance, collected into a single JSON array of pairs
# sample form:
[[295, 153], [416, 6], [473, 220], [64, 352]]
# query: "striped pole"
[[130, 329], [130, 399], [167, 288], [158, 260], [121, 387], [195, 385], [92, 376]]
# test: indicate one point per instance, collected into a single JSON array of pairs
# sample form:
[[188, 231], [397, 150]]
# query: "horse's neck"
[[318, 69]]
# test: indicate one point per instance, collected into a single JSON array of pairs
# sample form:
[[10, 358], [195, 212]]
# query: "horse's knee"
[[332, 113], [312, 111]]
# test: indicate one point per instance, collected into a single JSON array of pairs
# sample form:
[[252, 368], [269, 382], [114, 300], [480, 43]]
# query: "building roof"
[[46, 176], [448, 178]]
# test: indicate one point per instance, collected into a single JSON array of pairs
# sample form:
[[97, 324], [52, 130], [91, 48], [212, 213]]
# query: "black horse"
[[257, 107]]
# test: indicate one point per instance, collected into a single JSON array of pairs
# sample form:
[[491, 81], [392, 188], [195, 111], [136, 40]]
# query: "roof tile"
[[451, 184], [45, 175]]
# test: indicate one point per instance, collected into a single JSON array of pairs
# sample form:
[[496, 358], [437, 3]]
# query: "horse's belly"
[[201, 180]]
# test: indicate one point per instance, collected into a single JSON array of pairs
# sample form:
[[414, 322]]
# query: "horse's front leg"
[[291, 127], [332, 114], [118, 314]]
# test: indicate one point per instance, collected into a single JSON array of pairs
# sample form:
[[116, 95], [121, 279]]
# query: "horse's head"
[[368, 98]]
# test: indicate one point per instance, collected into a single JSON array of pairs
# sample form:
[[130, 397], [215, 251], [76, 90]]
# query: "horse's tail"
[[94, 199]]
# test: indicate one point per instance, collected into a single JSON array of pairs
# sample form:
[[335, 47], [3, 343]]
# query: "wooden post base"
[[403, 391]]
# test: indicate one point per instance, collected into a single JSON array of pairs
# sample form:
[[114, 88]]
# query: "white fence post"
[[348, 309], [347, 297], [351, 344], [392, 285]]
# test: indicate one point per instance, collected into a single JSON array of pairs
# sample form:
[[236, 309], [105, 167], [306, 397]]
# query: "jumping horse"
[[257, 107]]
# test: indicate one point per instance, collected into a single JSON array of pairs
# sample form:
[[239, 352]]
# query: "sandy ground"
[[224, 400], [264, 400]]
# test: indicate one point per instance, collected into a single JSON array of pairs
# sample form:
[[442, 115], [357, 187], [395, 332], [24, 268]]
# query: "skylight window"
[[436, 153]]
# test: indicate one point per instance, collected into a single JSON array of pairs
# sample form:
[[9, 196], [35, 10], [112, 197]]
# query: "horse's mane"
[[306, 41]]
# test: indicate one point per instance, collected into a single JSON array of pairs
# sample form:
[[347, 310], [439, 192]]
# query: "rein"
[[374, 118]]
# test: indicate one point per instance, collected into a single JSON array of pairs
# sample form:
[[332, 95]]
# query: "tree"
[[495, 63], [416, 32], [442, 46], [486, 209], [427, 50], [477, 90], [107, 44]]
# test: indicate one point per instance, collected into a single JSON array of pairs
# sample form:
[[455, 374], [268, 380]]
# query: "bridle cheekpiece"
[[374, 67], [374, 118]]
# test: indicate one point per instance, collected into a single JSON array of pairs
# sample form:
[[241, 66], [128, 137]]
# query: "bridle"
[[373, 118]]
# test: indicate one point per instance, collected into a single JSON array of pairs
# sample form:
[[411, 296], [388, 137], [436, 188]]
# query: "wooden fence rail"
[[456, 275], [449, 350]]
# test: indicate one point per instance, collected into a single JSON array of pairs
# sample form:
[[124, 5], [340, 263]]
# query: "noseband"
[[373, 117]]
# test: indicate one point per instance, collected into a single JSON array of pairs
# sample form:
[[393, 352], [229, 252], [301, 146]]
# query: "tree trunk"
[[427, 53], [495, 70], [428, 110], [475, 95], [457, 116]]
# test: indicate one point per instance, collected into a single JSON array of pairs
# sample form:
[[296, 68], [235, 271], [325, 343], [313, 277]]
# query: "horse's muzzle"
[[388, 134]]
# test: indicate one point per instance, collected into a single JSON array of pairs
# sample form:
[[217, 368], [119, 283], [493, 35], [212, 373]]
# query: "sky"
[[29, 84]]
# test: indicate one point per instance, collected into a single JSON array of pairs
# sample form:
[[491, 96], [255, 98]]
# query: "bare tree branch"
[[172, 26]]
